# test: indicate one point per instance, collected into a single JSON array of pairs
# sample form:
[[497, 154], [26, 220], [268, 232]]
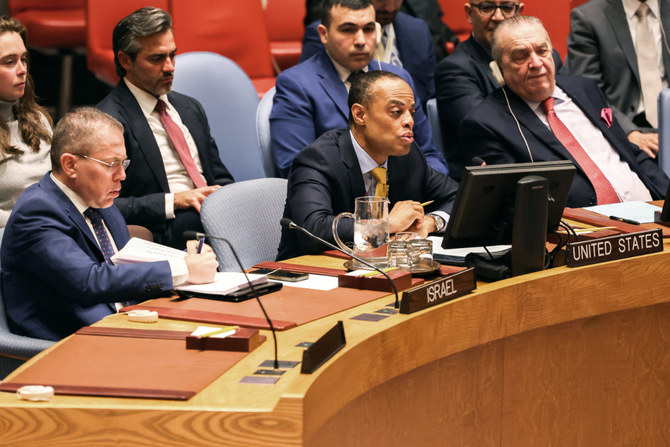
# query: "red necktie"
[[105, 244], [179, 142], [604, 191]]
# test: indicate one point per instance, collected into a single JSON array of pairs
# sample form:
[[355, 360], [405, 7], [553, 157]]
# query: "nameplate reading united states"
[[437, 292], [614, 247]]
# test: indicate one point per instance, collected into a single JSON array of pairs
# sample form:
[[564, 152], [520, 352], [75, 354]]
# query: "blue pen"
[[202, 242]]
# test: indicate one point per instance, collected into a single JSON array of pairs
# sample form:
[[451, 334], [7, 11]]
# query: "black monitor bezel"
[[480, 216]]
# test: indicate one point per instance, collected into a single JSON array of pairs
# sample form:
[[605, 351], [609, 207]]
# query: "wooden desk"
[[577, 357]]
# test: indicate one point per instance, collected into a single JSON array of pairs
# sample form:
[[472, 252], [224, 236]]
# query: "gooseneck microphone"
[[198, 235], [290, 225]]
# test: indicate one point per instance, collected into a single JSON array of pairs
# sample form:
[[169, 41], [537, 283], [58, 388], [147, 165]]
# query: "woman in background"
[[25, 127]]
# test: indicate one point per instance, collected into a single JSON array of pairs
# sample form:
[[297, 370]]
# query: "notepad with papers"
[[224, 283], [140, 250]]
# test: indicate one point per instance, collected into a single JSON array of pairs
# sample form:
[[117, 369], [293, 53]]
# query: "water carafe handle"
[[336, 235]]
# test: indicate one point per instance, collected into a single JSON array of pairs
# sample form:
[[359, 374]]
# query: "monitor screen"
[[483, 211]]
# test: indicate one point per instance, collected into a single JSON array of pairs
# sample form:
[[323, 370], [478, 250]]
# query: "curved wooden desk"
[[560, 357]]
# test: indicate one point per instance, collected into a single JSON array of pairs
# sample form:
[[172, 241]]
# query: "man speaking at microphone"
[[376, 155], [56, 270]]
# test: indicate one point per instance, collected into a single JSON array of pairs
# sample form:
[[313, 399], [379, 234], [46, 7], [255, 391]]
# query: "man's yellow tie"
[[379, 175]]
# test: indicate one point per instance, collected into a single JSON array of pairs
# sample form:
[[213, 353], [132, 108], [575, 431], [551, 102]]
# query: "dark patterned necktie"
[[105, 244]]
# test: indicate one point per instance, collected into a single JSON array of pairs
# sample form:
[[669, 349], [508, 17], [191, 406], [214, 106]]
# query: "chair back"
[[14, 349], [101, 18], [230, 101], [247, 214], [232, 28], [283, 20], [434, 119], [263, 132], [664, 131]]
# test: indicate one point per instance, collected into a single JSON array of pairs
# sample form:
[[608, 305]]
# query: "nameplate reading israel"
[[614, 247], [437, 292]]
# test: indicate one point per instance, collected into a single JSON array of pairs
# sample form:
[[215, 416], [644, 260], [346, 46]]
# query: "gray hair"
[[77, 133], [516, 21], [144, 22]]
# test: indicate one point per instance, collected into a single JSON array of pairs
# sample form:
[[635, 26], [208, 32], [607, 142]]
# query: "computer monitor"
[[663, 217], [491, 198]]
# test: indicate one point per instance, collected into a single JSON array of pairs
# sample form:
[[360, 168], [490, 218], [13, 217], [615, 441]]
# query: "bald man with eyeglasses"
[[58, 246]]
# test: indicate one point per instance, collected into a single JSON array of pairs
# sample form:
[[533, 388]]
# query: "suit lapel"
[[71, 211], [331, 83], [593, 114], [350, 161], [399, 41], [190, 120], [616, 16], [479, 54], [137, 125], [528, 119]]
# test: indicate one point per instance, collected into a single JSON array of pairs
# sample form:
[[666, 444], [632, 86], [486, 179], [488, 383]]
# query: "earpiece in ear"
[[497, 74]]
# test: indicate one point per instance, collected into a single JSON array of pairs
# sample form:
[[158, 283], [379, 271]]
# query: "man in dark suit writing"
[[538, 116], [56, 248], [176, 162], [328, 175]]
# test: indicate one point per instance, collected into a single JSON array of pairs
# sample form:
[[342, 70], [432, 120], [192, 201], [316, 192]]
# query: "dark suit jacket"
[[600, 47], [54, 277], [142, 199], [312, 99], [326, 179], [415, 45], [490, 132], [462, 81]]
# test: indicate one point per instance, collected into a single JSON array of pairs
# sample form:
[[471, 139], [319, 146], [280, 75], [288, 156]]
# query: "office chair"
[[247, 214], [101, 18], [230, 101], [15, 349], [263, 132], [233, 28]]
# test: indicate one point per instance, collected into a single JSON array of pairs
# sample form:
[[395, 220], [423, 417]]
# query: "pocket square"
[[606, 116]]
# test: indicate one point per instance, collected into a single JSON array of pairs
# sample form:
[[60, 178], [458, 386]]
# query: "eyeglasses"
[[488, 8], [113, 165]]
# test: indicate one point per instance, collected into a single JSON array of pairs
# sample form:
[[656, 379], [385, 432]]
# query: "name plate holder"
[[613, 247], [437, 292], [323, 349]]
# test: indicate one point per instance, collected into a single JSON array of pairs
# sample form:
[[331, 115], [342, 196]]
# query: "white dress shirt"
[[344, 72], [626, 183], [177, 176], [367, 164], [178, 268]]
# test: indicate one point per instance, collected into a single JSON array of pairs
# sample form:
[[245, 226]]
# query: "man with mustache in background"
[[176, 163]]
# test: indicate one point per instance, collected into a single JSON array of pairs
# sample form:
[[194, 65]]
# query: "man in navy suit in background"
[[311, 97], [176, 162], [464, 79], [56, 248], [559, 118], [406, 42]]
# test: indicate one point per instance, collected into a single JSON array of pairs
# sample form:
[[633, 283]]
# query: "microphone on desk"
[[290, 225], [197, 235]]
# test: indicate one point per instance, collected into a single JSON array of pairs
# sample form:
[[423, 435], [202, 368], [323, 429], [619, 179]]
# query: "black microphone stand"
[[289, 224], [197, 235]]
